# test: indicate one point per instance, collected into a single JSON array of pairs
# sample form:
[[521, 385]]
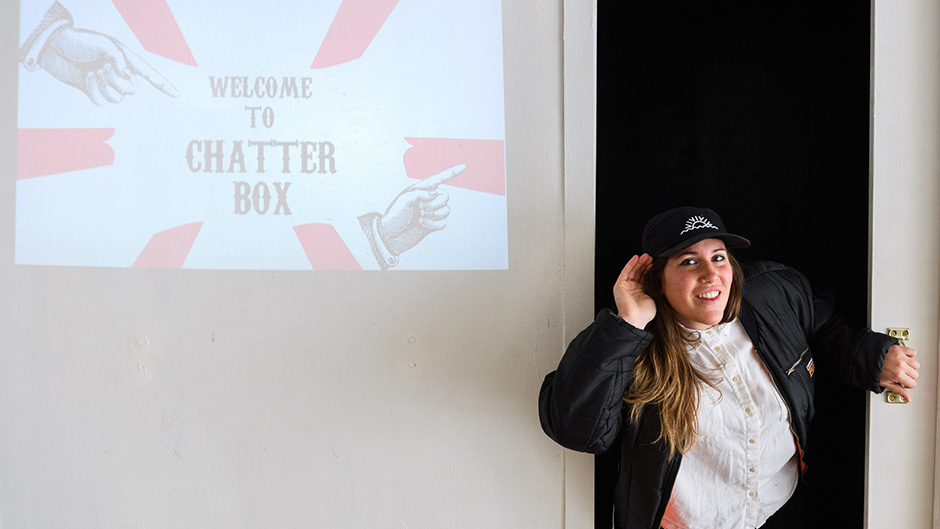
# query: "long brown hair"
[[663, 375]]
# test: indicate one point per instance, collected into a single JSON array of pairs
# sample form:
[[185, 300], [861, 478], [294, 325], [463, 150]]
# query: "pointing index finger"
[[431, 182], [141, 68]]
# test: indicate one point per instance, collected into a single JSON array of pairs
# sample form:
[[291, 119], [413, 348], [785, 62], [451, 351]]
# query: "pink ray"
[[484, 158], [155, 27], [169, 248], [356, 23], [325, 248], [42, 152]]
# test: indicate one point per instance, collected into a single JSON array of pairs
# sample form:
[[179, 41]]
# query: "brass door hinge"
[[902, 334]]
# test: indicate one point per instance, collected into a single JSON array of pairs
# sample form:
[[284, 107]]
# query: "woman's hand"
[[633, 303], [899, 372]]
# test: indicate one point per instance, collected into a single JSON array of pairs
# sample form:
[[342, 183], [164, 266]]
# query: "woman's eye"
[[719, 257], [687, 262]]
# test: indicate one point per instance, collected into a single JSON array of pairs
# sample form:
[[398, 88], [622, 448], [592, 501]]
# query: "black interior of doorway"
[[759, 111]]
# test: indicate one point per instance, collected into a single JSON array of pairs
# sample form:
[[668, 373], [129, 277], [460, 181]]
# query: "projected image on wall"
[[295, 135]]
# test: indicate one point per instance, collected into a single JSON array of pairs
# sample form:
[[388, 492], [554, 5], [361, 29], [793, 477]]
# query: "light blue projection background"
[[428, 69]]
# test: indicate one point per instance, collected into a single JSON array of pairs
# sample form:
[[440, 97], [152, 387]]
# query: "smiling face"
[[697, 283]]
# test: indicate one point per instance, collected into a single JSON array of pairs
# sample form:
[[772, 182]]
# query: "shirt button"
[[752, 441], [747, 410], [752, 494], [718, 348], [752, 470], [736, 379]]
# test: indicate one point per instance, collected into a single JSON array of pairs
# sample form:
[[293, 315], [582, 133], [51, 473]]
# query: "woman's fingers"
[[635, 270]]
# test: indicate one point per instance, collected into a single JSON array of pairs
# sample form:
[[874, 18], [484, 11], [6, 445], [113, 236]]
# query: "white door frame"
[[580, 110], [905, 255], [904, 247]]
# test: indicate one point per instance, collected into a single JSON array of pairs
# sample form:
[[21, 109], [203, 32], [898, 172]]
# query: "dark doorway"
[[761, 112]]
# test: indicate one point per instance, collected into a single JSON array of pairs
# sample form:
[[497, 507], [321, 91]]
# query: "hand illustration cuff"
[[390, 260], [56, 17]]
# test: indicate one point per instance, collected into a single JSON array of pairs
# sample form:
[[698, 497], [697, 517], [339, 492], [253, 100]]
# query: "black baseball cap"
[[674, 230]]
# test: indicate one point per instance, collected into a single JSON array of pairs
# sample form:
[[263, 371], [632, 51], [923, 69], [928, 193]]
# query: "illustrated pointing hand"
[[417, 211], [98, 65]]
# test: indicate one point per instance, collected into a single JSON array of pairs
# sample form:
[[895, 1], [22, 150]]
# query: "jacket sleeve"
[[856, 354], [580, 403]]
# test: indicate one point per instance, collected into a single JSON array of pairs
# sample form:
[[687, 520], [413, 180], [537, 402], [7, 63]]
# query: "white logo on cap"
[[697, 222]]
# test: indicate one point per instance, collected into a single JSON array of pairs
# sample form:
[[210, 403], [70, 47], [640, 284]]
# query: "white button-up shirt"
[[744, 465]]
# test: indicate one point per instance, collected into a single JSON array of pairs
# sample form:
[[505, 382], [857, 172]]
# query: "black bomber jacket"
[[581, 403]]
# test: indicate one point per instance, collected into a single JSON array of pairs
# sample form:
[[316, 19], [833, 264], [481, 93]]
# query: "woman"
[[703, 379]]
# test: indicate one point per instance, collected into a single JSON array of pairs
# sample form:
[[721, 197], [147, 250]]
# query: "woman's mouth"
[[709, 294]]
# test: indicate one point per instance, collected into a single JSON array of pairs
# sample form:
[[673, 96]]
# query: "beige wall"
[[160, 398]]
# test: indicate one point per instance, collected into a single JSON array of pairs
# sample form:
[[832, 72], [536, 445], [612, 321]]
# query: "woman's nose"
[[708, 272]]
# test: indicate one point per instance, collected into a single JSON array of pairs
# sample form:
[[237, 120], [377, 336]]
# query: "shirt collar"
[[711, 335]]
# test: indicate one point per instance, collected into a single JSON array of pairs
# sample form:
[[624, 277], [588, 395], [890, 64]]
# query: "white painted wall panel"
[[905, 238]]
